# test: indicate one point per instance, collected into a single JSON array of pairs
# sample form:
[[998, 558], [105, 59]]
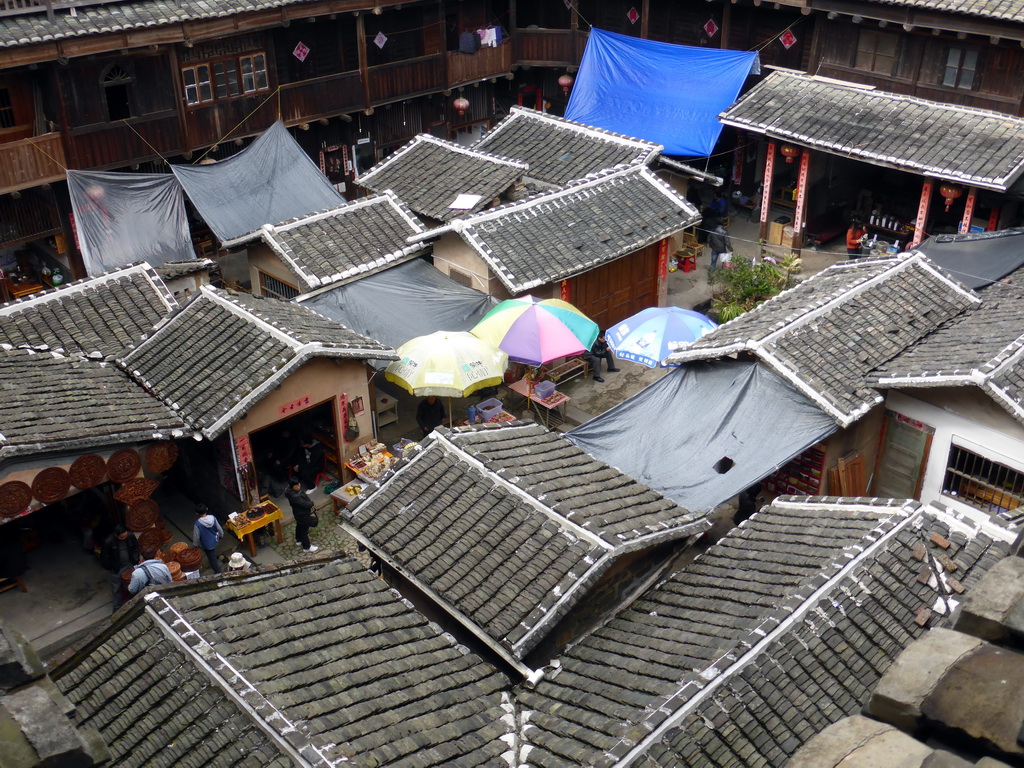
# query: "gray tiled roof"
[[1003, 10], [974, 146], [555, 235], [510, 526], [359, 671], [428, 174], [223, 352], [823, 665], [357, 239], [153, 706], [829, 332], [331, 664], [97, 317], [170, 270], [117, 17], [560, 150], [737, 645], [49, 402], [984, 348]]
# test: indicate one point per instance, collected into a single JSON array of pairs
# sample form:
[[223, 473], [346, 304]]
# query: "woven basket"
[[123, 465], [150, 539], [136, 489], [165, 536], [52, 484], [142, 515], [161, 456], [126, 575], [88, 471], [175, 569], [15, 497], [177, 547], [167, 557], [189, 558]]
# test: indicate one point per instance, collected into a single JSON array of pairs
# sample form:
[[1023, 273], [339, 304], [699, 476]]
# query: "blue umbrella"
[[652, 334]]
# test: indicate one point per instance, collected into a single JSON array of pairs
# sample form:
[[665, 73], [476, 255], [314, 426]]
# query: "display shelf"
[[386, 410], [801, 476]]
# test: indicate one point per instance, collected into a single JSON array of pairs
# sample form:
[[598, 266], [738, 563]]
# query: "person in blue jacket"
[[207, 534]]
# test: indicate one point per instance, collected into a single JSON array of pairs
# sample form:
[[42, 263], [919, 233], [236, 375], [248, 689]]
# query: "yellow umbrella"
[[449, 364]]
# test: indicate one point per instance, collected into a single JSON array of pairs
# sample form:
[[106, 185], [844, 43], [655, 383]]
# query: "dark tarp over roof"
[[401, 303], [270, 181], [673, 433], [977, 259]]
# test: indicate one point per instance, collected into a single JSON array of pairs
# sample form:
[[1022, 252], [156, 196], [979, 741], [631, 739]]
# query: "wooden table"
[[359, 463], [343, 496], [543, 406], [249, 529]]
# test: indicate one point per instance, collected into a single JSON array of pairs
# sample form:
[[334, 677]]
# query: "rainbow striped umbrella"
[[534, 331]]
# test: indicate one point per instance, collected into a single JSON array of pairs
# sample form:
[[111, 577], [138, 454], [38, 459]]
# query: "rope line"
[[255, 109]]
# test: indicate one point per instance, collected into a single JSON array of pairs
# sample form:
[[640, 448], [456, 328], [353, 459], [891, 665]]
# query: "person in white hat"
[[238, 563]]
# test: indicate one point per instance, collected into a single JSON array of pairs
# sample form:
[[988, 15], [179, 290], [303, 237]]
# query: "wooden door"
[[614, 291], [905, 445]]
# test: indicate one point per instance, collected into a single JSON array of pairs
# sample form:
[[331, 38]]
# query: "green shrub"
[[742, 284]]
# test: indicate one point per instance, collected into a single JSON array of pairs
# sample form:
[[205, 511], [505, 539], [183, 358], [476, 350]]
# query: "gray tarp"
[[671, 435], [122, 218], [401, 303], [270, 181], [978, 259]]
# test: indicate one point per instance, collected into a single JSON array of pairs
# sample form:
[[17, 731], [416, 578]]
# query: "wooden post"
[[645, 9], [965, 223], [723, 41], [364, 71], [922, 213], [800, 214], [766, 191], [993, 220]]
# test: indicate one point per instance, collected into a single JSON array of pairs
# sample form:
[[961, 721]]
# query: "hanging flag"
[[711, 28], [633, 16], [788, 39], [301, 52], [380, 39]]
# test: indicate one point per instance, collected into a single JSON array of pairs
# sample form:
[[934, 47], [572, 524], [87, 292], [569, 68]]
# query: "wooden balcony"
[[31, 162], [465, 68], [549, 47], [323, 97], [402, 79], [109, 145]]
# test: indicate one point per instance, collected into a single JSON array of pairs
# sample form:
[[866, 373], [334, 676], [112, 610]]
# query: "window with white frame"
[[983, 483], [225, 78]]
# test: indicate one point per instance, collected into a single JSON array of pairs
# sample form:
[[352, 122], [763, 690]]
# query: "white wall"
[[1004, 444]]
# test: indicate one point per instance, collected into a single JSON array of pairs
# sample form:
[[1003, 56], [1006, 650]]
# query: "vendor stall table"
[[247, 530], [547, 408], [368, 470], [343, 496]]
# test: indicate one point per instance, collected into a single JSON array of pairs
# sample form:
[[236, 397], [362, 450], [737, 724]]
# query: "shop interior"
[[33, 267], [282, 439]]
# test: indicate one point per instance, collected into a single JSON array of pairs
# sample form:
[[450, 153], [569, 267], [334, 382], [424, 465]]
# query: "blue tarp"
[[669, 94]]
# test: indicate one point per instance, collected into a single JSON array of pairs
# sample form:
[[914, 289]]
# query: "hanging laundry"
[[469, 42], [488, 37]]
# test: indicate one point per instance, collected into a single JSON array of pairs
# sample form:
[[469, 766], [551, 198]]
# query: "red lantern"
[[950, 192], [565, 81], [789, 152], [461, 104]]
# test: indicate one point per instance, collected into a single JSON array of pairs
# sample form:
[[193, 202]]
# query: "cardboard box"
[[775, 233], [789, 238]]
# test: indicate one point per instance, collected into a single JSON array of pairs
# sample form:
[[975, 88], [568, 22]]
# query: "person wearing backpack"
[[206, 534], [151, 570]]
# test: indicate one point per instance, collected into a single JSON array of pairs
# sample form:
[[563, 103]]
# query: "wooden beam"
[[364, 70], [645, 10]]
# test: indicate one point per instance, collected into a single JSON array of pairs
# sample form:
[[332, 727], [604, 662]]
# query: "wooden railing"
[[324, 96], [30, 162], [487, 62], [108, 145], [402, 79], [30, 216], [549, 47]]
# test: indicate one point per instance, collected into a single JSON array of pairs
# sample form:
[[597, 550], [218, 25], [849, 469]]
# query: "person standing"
[[855, 239], [302, 509], [310, 462], [601, 351], [118, 553], [150, 570], [206, 534], [719, 205], [718, 241], [430, 414]]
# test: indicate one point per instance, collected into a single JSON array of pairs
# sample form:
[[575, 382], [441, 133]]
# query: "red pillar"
[[766, 191], [922, 213], [800, 215]]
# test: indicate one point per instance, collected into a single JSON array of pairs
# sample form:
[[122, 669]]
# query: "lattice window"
[[460, 277], [271, 286], [961, 68], [876, 52], [7, 119], [198, 86], [984, 484], [254, 73]]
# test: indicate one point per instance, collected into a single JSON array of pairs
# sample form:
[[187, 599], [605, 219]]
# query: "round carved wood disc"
[[161, 456], [141, 515], [123, 465], [88, 471], [52, 484], [136, 489], [15, 497]]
